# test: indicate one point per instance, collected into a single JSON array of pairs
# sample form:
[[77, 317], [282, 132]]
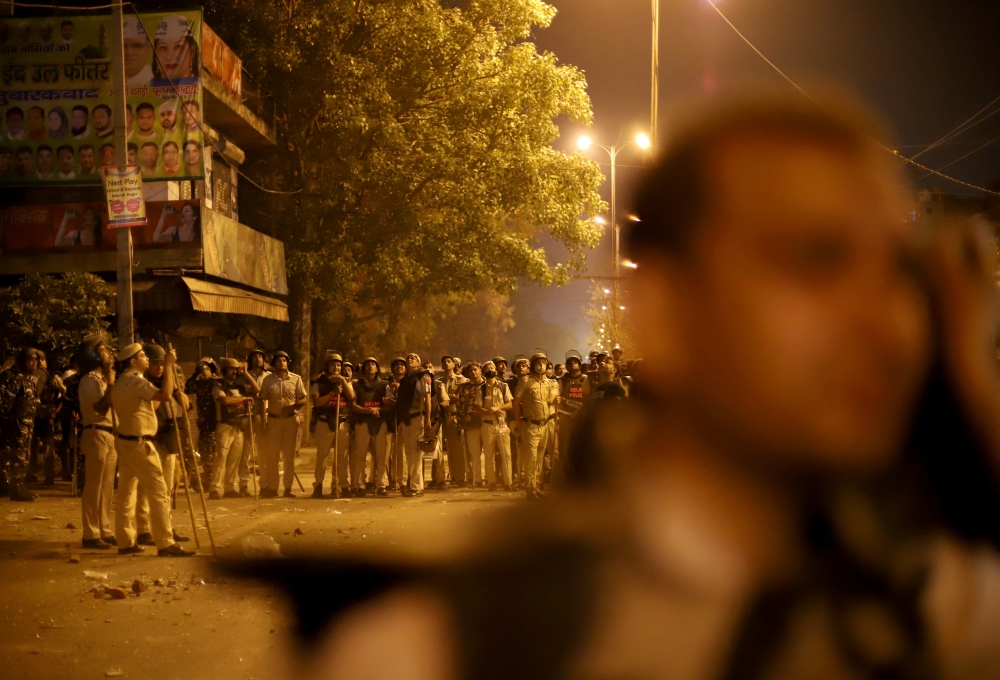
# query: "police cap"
[[378, 369], [88, 355], [281, 353], [210, 362], [332, 355], [128, 351], [228, 362], [497, 359], [574, 354]]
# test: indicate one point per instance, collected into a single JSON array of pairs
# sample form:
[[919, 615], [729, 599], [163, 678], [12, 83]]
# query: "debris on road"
[[260, 545], [70, 526], [139, 586], [116, 593], [95, 575], [297, 532]]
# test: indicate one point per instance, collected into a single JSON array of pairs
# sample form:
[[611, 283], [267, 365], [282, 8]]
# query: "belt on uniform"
[[327, 419], [536, 422], [102, 428], [140, 438], [488, 422], [279, 417]]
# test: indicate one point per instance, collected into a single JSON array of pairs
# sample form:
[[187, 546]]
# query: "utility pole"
[[126, 324], [655, 105]]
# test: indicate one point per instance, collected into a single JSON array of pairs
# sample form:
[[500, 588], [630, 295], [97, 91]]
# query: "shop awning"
[[215, 297]]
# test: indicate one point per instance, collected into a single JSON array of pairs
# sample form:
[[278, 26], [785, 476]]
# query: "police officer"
[[414, 405], [494, 404], [200, 384], [17, 421], [519, 369], [397, 371], [501, 365], [256, 369], [284, 395], [166, 442], [533, 402], [97, 441], [370, 426], [450, 430], [574, 391], [329, 390], [470, 420], [231, 396], [138, 460]]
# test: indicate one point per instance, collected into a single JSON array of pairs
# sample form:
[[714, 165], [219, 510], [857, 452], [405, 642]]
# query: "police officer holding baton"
[[138, 461]]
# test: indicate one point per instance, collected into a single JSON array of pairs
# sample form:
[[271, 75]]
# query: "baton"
[[197, 472], [336, 449], [180, 454], [253, 453], [73, 443]]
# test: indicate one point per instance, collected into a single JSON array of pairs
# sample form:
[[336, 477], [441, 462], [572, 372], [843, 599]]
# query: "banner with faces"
[[56, 119]]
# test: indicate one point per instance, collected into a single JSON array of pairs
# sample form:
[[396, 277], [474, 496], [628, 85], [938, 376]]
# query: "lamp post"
[[655, 85], [584, 143]]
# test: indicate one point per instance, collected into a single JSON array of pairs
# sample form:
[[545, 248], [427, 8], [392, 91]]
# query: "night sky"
[[924, 66]]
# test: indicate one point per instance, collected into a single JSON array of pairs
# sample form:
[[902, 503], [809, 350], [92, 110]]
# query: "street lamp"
[[655, 84], [584, 143]]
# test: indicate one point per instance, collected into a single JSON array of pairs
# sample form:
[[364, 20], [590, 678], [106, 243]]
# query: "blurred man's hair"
[[676, 193]]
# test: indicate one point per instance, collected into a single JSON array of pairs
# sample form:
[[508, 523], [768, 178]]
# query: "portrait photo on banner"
[[56, 117]]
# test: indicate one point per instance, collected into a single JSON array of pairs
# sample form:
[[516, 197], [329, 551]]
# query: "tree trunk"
[[300, 311]]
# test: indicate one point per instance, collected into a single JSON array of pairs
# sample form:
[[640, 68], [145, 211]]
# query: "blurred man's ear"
[[658, 319]]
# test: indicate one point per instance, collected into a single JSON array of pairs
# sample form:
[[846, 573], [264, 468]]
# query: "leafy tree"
[[416, 135], [53, 314]]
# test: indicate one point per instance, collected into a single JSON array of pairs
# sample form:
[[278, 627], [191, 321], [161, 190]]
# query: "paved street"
[[191, 623]]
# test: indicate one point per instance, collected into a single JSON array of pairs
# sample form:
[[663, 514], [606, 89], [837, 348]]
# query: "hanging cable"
[[894, 152]]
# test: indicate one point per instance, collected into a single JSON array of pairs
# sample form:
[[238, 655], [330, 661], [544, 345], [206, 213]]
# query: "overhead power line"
[[894, 152]]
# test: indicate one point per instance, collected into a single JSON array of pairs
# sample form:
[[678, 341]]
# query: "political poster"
[[123, 196], [56, 121]]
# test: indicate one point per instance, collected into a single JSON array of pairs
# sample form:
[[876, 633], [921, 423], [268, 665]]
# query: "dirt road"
[[189, 623]]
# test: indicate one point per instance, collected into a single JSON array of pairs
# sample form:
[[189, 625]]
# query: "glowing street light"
[[642, 141], [630, 264], [584, 142], [600, 220]]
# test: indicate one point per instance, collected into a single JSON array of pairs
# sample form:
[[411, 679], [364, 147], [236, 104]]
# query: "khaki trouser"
[[363, 440], [168, 463], [474, 460], [534, 439], [495, 442], [281, 434], [456, 449], [324, 442], [229, 438], [545, 465], [412, 457], [139, 463], [100, 459]]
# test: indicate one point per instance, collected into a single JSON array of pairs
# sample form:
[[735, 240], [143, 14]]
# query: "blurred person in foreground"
[[803, 486]]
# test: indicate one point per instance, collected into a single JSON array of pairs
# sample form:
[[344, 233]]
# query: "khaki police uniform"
[[281, 431], [370, 432], [97, 443], [138, 461], [472, 431], [230, 436], [410, 434], [327, 431], [495, 434], [534, 395], [450, 430], [166, 447]]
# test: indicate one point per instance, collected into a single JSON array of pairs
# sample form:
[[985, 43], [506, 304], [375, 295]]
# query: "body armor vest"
[[572, 388], [326, 386]]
